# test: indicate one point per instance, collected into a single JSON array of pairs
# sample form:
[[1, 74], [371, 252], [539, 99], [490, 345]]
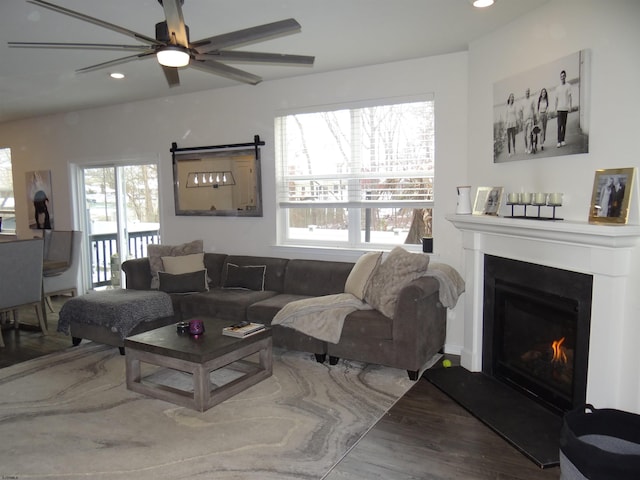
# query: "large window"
[[356, 177], [7, 202]]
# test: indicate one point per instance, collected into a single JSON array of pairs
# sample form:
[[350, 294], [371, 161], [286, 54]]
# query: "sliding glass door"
[[120, 210]]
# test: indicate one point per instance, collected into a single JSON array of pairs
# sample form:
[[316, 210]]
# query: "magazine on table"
[[242, 329]]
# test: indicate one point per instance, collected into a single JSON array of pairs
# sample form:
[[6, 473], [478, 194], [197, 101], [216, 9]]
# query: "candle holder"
[[538, 200]]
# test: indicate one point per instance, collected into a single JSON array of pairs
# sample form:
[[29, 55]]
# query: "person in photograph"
[[605, 198], [511, 124], [491, 206], [528, 117], [563, 107], [617, 197], [543, 107]]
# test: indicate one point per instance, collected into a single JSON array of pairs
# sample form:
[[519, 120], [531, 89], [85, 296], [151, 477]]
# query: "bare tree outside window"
[[367, 167]]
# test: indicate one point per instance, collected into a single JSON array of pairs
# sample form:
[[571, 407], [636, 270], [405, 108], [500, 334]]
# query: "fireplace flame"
[[559, 355]]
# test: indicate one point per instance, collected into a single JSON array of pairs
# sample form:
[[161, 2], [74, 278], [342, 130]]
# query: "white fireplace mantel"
[[603, 251]]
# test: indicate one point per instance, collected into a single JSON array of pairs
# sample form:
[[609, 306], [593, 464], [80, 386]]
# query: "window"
[[356, 177], [7, 202]]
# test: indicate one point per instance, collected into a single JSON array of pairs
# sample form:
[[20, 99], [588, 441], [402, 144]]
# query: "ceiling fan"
[[173, 48]]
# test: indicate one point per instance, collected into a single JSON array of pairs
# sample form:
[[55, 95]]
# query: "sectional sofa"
[[255, 288]]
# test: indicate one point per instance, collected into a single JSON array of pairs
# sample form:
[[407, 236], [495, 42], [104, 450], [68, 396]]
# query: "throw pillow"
[[191, 282], [361, 273], [394, 273], [183, 263], [156, 252], [250, 277]]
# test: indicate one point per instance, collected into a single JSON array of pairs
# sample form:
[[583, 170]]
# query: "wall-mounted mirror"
[[220, 180]]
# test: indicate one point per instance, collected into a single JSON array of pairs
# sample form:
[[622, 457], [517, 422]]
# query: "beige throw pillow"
[[394, 273], [361, 273], [156, 252], [183, 263]]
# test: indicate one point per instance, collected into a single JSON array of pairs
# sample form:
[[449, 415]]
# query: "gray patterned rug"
[[69, 415]]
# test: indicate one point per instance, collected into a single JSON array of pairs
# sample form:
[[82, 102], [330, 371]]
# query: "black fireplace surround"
[[536, 330]]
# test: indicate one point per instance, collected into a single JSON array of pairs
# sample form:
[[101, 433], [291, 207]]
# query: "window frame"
[[355, 208], [8, 211]]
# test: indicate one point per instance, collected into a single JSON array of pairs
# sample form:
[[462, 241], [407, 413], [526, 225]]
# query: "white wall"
[[146, 129], [611, 30]]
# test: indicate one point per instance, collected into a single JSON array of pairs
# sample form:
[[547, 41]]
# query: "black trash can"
[[600, 444]]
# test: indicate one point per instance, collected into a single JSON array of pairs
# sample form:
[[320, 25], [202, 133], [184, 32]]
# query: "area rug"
[[69, 415]]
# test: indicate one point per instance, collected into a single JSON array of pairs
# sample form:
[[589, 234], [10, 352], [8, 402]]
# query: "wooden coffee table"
[[198, 356]]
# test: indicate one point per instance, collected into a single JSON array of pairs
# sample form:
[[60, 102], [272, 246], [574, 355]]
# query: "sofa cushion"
[[214, 263], [316, 277], [361, 273], [250, 277], [274, 273], [222, 303], [397, 270], [156, 252], [183, 263], [189, 282], [264, 310]]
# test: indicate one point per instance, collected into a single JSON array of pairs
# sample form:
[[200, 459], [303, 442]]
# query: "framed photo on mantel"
[[611, 196], [488, 201]]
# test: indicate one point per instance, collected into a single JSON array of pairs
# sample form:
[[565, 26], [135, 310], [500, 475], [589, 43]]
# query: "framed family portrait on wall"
[[611, 196]]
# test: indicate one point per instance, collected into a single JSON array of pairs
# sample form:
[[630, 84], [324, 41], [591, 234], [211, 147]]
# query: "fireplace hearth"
[[536, 330]]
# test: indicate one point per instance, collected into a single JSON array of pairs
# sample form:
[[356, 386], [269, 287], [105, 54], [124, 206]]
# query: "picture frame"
[[488, 201], [611, 196]]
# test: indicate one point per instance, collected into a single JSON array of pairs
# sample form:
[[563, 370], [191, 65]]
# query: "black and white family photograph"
[[543, 112]]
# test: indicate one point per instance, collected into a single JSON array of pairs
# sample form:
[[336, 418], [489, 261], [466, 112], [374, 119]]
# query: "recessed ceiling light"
[[482, 3], [117, 75]]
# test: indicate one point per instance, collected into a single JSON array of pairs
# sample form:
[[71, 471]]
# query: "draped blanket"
[[119, 311], [320, 317], [451, 283]]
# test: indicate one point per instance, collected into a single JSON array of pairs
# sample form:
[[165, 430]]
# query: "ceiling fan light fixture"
[[173, 56], [482, 3]]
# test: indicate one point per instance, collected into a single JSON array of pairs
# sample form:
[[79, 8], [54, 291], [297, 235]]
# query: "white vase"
[[463, 206]]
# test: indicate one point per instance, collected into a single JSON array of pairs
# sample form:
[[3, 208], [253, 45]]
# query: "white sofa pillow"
[[183, 263]]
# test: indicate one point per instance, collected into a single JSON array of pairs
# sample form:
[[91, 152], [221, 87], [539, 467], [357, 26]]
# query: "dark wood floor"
[[425, 435]]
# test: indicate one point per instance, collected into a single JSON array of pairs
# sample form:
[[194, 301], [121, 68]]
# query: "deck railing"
[[104, 246]]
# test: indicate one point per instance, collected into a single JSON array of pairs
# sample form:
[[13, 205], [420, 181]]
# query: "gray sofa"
[[407, 341]]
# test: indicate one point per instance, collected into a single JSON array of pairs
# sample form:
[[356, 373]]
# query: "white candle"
[[514, 198], [540, 198], [525, 198], [555, 199]]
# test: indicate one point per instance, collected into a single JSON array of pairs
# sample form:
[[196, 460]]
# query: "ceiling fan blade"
[[258, 57], [95, 21], [171, 74], [111, 63], [82, 46], [247, 36], [223, 70], [175, 23]]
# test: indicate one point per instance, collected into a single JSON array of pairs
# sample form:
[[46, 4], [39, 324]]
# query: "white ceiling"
[[340, 33]]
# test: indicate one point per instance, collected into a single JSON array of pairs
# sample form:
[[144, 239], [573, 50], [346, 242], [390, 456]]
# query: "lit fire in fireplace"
[[559, 355]]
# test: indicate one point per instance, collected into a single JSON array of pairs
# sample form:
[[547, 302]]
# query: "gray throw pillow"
[[392, 275], [192, 282], [250, 277], [156, 252]]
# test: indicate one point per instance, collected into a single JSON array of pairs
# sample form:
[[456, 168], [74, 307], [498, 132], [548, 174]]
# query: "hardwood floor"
[[425, 435], [28, 342]]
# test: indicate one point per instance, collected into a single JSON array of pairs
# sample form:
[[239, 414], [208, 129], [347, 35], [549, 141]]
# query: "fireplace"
[[536, 330]]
